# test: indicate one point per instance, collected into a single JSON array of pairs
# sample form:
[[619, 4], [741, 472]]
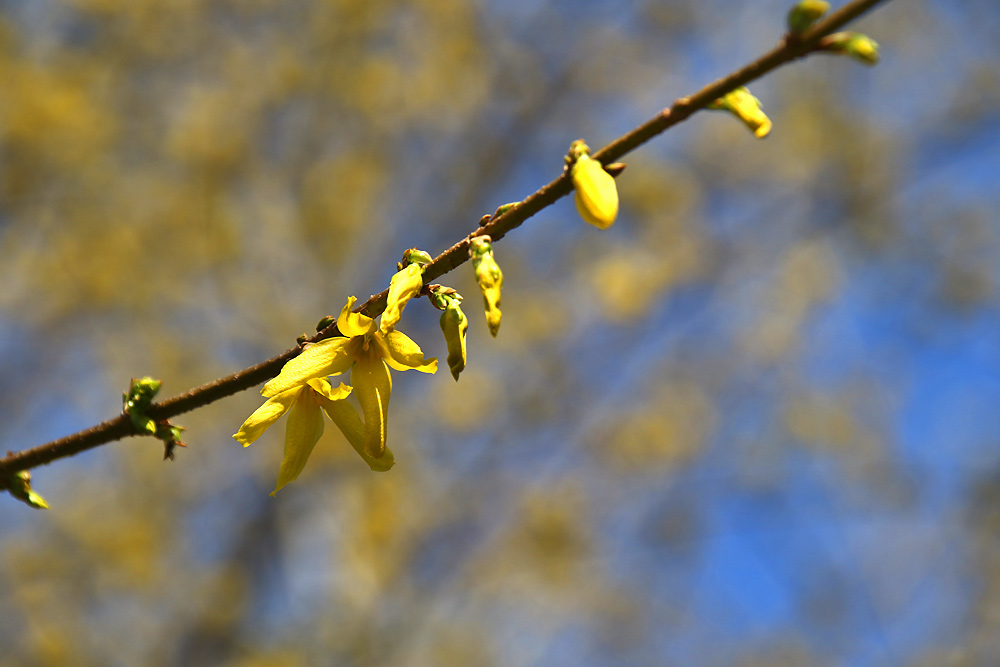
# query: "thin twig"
[[120, 427]]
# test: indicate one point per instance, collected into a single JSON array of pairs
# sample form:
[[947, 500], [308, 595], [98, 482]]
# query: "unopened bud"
[[746, 107], [454, 325], [859, 46], [596, 193], [490, 279], [802, 16], [19, 486], [137, 400]]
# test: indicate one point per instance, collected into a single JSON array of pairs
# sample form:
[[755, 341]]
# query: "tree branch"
[[789, 49]]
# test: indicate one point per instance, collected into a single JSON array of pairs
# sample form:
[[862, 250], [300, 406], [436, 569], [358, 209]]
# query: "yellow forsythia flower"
[[746, 107], [368, 354], [305, 403], [490, 279], [596, 194]]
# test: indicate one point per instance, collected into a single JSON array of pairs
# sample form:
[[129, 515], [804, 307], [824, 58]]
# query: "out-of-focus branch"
[[789, 49]]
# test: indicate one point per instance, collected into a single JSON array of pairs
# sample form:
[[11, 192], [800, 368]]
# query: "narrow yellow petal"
[[353, 324], [404, 286], [323, 387], [264, 416], [596, 194], [402, 354], [345, 416], [302, 431], [327, 357], [373, 386]]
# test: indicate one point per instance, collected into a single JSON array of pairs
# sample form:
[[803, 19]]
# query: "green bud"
[[504, 208], [441, 296], [325, 322], [137, 401], [479, 246], [19, 486], [802, 16], [414, 256], [856, 45], [615, 168], [576, 149], [144, 389]]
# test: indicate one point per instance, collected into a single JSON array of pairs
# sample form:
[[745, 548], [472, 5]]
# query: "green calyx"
[[415, 256], [479, 246], [576, 149]]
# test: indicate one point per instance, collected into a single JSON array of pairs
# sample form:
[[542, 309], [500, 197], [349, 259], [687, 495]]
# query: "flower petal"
[[323, 387], [353, 324], [345, 416], [373, 385], [405, 285], [302, 431], [265, 415], [596, 194], [401, 353], [327, 357]]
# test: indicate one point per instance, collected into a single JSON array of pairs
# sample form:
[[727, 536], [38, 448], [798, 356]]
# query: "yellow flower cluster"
[[302, 390]]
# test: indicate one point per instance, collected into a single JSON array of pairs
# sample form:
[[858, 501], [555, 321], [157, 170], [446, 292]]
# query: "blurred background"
[[754, 423]]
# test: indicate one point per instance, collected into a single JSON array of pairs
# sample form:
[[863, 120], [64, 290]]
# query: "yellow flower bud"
[[861, 47], [746, 107], [596, 194], [454, 325], [490, 279], [19, 486], [802, 16]]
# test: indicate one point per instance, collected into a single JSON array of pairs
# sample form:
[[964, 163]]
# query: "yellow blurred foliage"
[[665, 432], [547, 542], [807, 276], [54, 114]]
